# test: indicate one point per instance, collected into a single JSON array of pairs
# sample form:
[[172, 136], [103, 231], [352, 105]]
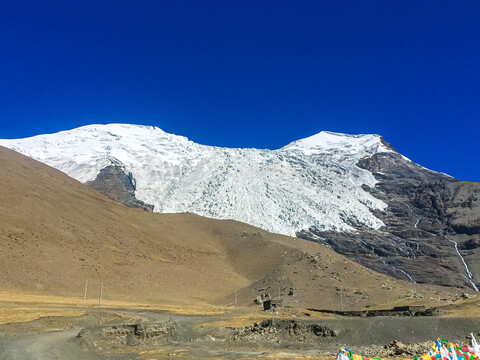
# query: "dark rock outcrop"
[[114, 183]]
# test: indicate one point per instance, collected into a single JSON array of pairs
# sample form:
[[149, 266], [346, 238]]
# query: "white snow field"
[[312, 182]]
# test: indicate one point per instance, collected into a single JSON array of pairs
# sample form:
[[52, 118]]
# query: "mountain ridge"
[[353, 193]]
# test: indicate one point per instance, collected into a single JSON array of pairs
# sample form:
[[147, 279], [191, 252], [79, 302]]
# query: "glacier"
[[309, 183]]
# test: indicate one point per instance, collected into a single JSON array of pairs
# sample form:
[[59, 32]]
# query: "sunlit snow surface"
[[312, 182]]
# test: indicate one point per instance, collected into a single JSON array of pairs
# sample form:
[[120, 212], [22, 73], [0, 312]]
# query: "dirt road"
[[44, 346]]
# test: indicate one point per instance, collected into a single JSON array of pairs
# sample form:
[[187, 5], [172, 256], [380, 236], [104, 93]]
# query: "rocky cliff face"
[[112, 182], [428, 213]]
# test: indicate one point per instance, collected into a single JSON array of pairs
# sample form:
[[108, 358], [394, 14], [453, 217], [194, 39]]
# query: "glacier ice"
[[312, 182]]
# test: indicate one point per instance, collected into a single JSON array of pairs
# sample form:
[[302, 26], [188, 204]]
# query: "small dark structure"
[[265, 300]]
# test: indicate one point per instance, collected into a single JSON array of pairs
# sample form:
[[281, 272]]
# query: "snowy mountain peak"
[[107, 132], [310, 183], [328, 142]]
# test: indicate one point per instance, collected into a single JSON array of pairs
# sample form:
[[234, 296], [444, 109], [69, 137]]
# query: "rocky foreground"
[[288, 333]]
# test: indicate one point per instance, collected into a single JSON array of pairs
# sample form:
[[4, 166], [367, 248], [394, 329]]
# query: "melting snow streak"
[[467, 270]]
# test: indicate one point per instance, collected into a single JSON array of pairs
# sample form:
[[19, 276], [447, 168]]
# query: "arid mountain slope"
[[56, 233]]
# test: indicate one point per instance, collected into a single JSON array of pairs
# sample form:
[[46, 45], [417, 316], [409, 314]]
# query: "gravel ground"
[[105, 335]]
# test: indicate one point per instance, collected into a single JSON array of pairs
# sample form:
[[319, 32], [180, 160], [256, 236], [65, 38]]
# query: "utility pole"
[[85, 294], [235, 298], [341, 299], [388, 303], [101, 291]]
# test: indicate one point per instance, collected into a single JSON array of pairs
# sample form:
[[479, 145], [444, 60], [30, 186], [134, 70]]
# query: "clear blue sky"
[[250, 73]]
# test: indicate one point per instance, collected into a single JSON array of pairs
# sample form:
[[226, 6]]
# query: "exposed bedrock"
[[114, 183], [427, 212]]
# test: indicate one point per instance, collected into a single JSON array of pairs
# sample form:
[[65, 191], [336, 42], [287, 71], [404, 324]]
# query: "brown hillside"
[[55, 233]]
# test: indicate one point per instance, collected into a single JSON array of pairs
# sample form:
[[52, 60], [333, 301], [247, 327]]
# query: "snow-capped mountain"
[[312, 182], [353, 193]]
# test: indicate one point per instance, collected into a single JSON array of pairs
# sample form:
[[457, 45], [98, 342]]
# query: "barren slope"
[[55, 233]]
